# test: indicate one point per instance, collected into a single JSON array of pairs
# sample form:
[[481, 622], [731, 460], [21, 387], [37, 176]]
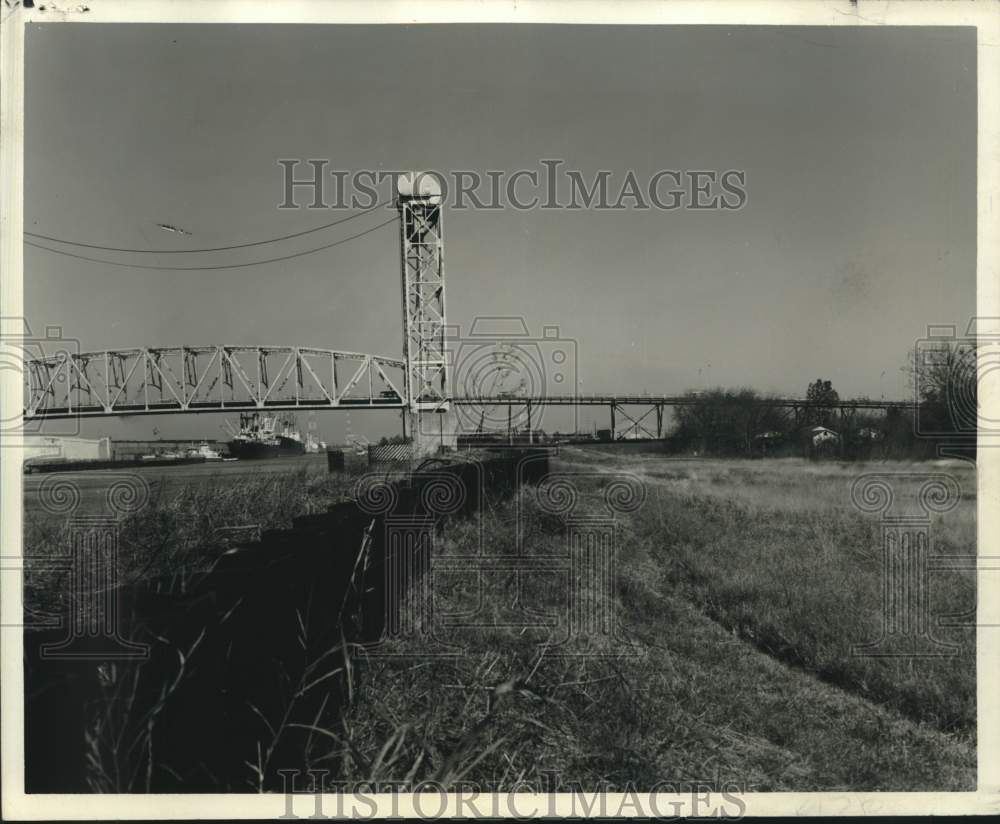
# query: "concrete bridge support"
[[432, 432]]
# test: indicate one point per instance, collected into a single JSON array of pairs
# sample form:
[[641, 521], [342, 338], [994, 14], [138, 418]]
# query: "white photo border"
[[985, 16]]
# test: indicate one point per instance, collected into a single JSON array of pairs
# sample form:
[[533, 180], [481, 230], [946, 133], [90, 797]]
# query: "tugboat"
[[204, 451], [266, 436]]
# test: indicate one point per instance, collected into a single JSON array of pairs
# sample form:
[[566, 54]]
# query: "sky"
[[858, 145]]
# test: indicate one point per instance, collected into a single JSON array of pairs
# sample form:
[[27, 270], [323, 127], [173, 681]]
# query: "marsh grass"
[[737, 612], [776, 553], [740, 588], [182, 529], [177, 536]]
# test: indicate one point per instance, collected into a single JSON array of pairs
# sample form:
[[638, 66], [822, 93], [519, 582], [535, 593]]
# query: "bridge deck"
[[175, 407], [223, 378]]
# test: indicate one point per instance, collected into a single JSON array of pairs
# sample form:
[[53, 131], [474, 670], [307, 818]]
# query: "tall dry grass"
[[182, 528], [739, 590], [686, 692], [775, 551], [178, 535]]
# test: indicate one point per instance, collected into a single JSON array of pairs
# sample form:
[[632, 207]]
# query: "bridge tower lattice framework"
[[418, 198]]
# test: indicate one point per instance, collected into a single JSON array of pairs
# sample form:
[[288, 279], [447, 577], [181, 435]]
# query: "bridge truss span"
[[206, 378]]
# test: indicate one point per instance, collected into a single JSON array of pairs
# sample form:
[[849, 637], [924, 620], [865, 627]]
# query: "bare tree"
[[943, 377]]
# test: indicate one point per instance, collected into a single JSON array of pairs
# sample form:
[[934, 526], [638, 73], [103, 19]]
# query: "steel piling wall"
[[241, 642]]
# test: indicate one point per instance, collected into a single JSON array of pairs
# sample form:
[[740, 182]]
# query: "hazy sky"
[[858, 146]]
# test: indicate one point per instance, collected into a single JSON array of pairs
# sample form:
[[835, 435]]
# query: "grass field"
[[188, 516], [777, 552], [741, 588]]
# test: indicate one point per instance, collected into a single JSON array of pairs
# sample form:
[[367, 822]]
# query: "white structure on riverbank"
[[65, 447]]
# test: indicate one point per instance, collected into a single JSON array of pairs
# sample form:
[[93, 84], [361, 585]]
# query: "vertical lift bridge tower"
[[418, 198]]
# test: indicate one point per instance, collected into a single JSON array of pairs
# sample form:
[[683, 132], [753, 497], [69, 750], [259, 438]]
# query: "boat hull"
[[247, 450], [83, 465]]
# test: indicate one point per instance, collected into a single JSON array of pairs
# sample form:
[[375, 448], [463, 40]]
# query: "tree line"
[[747, 423]]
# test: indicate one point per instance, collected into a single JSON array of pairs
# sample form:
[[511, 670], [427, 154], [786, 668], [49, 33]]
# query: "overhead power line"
[[207, 268], [378, 205]]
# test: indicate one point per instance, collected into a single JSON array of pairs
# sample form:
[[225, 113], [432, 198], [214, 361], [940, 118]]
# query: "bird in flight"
[[176, 230]]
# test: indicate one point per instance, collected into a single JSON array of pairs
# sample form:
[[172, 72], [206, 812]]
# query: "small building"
[[820, 435], [64, 447]]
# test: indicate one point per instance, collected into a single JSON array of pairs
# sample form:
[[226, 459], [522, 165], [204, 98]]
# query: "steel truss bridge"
[[208, 378], [222, 378], [196, 379]]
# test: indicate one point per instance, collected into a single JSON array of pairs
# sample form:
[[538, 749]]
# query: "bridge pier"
[[432, 432]]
